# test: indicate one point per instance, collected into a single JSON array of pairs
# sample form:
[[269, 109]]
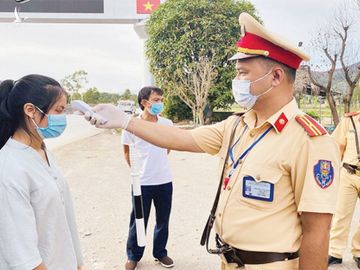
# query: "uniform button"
[[252, 134], [258, 177], [219, 214], [228, 188]]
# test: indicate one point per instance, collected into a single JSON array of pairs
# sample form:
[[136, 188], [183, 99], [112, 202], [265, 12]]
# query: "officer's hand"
[[115, 117]]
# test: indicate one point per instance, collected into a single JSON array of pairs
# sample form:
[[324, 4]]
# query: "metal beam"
[[74, 20]]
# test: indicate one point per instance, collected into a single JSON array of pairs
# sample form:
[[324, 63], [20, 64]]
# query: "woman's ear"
[[29, 110]]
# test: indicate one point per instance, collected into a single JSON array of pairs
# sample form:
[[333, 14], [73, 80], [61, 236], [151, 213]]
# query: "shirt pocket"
[[259, 187]]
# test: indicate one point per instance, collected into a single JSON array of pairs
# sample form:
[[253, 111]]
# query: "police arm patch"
[[324, 173]]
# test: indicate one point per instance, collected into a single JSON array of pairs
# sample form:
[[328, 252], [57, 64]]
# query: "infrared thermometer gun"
[[83, 107]]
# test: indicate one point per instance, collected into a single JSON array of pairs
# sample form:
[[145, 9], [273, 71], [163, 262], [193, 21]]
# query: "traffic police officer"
[[346, 135], [280, 169]]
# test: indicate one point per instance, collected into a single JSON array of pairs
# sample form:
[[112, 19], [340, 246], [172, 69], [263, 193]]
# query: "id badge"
[[263, 191]]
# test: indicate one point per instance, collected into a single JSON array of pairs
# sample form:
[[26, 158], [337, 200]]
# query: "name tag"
[[263, 191]]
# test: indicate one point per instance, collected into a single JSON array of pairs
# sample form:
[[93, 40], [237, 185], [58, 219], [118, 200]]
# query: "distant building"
[[303, 83]]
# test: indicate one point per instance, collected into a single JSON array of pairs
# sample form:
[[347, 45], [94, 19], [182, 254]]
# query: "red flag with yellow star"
[[146, 6]]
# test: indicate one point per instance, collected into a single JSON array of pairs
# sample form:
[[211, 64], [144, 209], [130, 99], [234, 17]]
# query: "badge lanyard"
[[236, 164]]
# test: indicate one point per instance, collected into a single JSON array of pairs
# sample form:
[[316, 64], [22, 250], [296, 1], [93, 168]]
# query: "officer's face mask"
[[156, 108], [241, 91], [56, 125]]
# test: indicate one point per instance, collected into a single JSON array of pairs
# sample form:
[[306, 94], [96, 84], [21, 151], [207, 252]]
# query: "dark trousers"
[[161, 195]]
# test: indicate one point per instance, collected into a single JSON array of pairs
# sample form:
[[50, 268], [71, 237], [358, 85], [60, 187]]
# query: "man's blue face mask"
[[56, 125], [156, 108]]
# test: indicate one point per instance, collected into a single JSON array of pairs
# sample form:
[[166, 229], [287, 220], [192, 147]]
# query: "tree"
[[109, 98], [91, 96], [127, 95], [184, 37], [333, 42], [322, 42], [76, 96], [351, 77], [176, 109], [194, 86], [75, 82]]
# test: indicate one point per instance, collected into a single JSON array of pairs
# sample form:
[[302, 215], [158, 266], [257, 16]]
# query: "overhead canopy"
[[76, 11]]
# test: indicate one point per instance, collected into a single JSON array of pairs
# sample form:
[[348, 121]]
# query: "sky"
[[113, 55]]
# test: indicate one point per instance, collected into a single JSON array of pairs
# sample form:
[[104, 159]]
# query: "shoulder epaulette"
[[349, 114], [311, 126]]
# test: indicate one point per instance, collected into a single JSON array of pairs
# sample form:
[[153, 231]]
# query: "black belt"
[[242, 257], [352, 169]]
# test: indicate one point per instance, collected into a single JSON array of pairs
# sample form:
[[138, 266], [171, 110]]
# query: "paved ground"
[[99, 179], [77, 129]]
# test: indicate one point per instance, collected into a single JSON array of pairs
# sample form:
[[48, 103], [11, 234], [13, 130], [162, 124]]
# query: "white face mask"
[[241, 92]]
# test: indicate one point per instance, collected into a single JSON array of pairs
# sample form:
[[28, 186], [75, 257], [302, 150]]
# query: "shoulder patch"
[[349, 114], [324, 173], [311, 126]]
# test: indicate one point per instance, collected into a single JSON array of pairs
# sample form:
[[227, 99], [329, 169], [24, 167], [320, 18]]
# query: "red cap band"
[[253, 44]]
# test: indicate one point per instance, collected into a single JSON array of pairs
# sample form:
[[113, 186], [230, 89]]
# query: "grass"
[[312, 107]]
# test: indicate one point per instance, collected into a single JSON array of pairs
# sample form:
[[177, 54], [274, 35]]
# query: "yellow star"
[[148, 6]]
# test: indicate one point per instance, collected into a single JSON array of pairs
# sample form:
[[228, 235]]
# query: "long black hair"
[[39, 90]]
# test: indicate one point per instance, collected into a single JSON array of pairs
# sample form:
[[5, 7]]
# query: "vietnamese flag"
[[146, 6]]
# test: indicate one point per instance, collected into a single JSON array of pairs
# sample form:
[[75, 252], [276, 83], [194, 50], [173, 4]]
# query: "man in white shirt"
[[155, 179]]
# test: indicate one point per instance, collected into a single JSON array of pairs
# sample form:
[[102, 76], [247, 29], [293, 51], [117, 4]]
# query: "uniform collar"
[[278, 120]]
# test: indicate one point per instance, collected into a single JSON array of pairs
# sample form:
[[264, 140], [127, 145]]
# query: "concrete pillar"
[[140, 29]]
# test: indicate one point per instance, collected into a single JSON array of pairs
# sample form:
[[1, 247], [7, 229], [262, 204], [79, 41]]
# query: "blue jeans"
[[161, 195]]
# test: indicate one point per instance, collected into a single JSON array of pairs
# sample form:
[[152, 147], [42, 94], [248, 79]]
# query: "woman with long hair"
[[37, 222]]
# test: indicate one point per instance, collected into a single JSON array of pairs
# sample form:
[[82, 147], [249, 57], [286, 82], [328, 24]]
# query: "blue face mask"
[[156, 108], [56, 125]]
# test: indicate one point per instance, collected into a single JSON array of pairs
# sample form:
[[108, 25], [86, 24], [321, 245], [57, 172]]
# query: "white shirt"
[[37, 221], [154, 164]]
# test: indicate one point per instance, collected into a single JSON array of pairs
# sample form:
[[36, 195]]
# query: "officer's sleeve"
[[315, 175], [209, 138], [340, 132], [18, 234]]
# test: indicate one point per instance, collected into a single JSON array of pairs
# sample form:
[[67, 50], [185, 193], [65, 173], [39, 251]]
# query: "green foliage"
[[314, 114], [75, 82], [76, 96], [93, 96], [109, 98], [356, 95], [127, 95], [182, 31], [176, 110]]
